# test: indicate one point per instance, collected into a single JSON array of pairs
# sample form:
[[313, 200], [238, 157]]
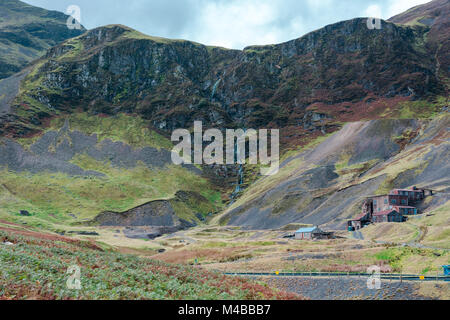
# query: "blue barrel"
[[446, 270]]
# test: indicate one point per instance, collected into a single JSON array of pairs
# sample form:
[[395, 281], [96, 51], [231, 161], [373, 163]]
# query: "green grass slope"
[[55, 197]]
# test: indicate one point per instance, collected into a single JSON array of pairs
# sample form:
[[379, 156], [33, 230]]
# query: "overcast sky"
[[228, 23]]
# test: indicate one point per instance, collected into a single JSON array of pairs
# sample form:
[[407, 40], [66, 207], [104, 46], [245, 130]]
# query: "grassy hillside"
[[120, 164]]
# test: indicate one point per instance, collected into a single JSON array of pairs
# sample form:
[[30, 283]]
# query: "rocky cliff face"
[[159, 213], [435, 15], [343, 68], [26, 32]]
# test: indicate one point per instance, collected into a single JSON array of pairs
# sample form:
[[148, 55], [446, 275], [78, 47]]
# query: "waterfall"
[[215, 88], [240, 180]]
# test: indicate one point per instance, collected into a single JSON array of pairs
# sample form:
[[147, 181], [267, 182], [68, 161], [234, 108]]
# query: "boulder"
[[25, 213]]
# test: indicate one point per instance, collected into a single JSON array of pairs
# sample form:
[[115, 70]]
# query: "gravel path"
[[352, 288], [9, 88]]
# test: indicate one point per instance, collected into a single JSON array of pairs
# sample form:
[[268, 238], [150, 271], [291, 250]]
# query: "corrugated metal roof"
[[383, 213], [362, 215], [306, 230], [376, 196]]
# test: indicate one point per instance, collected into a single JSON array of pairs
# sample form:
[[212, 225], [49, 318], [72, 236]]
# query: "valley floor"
[[39, 265], [227, 249], [418, 246]]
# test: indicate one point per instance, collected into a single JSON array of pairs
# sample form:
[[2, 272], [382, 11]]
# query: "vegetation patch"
[[420, 109], [57, 197], [132, 130], [35, 268], [406, 259]]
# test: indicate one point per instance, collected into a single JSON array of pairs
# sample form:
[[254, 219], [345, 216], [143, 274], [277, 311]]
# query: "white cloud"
[[228, 23], [398, 6], [373, 11], [391, 8], [319, 5], [237, 24]]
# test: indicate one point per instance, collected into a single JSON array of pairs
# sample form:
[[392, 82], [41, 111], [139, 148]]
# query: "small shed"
[[359, 222], [308, 233]]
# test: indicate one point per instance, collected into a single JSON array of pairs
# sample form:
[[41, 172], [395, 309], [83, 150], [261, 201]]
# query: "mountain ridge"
[[26, 32], [330, 80]]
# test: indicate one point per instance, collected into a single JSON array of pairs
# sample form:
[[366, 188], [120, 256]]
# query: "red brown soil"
[[46, 236]]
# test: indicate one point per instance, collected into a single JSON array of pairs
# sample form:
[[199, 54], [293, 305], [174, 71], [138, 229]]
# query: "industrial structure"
[[392, 207]]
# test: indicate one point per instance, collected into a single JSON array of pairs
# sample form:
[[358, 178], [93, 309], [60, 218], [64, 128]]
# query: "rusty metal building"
[[387, 216], [388, 201], [414, 195]]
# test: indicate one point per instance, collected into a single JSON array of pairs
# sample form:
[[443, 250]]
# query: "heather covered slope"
[[34, 266], [26, 32], [433, 13]]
